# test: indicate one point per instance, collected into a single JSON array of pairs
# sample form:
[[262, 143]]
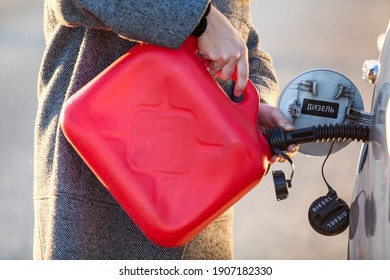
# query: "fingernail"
[[237, 93]]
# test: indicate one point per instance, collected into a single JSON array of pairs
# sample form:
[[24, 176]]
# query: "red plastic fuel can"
[[166, 141]]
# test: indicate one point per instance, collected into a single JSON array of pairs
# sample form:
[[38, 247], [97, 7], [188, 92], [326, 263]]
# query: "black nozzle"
[[280, 139]]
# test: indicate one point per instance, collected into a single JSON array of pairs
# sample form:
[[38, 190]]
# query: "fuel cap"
[[281, 184], [329, 215]]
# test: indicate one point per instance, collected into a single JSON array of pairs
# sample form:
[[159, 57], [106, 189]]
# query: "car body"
[[369, 228]]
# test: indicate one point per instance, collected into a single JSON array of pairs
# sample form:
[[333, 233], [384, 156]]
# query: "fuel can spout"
[[280, 139]]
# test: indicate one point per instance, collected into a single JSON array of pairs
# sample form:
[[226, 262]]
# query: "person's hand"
[[224, 47], [271, 117]]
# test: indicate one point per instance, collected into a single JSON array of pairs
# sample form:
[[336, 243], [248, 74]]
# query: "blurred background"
[[300, 35]]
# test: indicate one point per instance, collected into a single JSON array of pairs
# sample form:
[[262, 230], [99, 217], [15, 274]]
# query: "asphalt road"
[[300, 35]]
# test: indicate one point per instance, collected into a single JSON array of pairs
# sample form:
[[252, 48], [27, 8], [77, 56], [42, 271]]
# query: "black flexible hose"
[[280, 139]]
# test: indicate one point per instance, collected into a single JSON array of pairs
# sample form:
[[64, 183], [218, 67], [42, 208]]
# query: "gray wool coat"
[[75, 216]]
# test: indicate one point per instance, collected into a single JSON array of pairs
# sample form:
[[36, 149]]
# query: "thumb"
[[277, 118]]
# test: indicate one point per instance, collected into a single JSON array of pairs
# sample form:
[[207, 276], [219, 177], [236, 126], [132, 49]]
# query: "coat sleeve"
[[261, 70], [160, 22]]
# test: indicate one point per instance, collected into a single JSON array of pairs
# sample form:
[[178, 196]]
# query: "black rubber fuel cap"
[[329, 215], [281, 184]]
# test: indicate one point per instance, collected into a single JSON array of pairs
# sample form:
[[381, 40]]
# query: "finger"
[[281, 120], [291, 154], [277, 158], [242, 76], [273, 159], [292, 148], [216, 67], [227, 70], [270, 116]]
